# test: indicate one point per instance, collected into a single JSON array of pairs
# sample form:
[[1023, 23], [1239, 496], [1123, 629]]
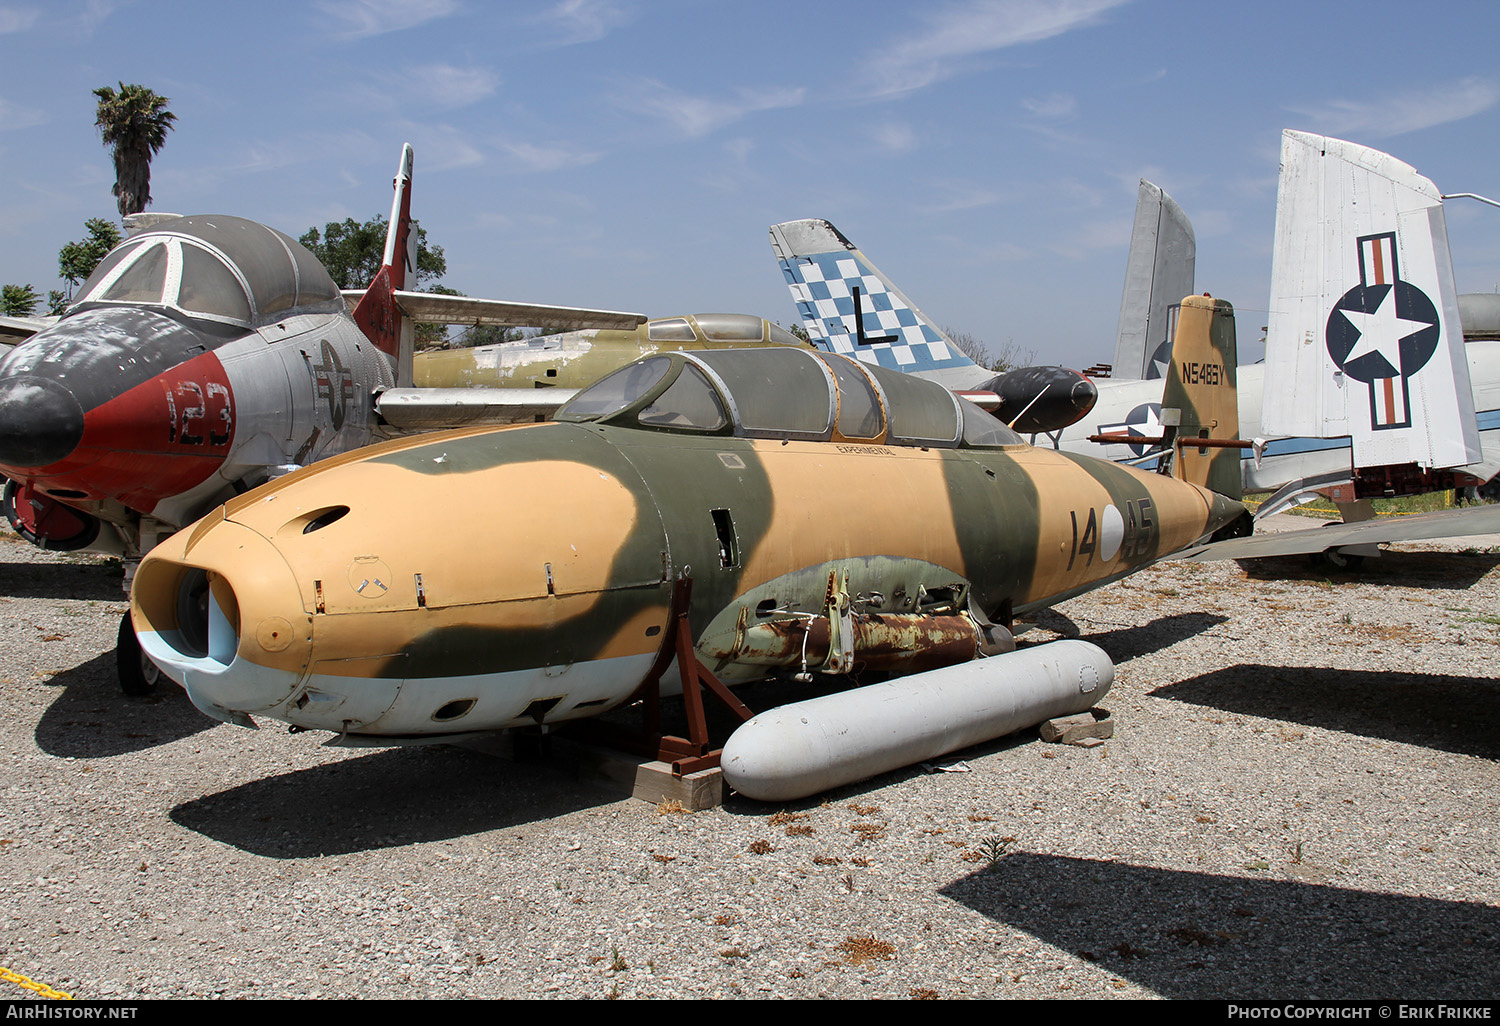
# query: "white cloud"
[[550, 156], [740, 148], [1056, 106], [443, 85], [374, 17], [13, 117], [975, 27], [93, 14], [81, 23], [893, 137], [1093, 236], [1407, 111], [17, 19], [954, 196], [697, 115], [440, 147], [584, 21], [258, 156]]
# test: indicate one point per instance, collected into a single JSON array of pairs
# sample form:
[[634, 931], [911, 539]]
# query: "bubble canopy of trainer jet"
[[785, 394], [213, 268]]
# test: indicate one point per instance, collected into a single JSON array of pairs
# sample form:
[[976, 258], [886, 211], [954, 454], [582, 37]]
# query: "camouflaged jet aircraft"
[[831, 516]]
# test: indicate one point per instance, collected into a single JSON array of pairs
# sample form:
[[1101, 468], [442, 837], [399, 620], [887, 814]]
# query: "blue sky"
[[630, 154]]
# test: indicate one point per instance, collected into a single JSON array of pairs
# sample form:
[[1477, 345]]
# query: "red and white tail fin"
[[377, 314]]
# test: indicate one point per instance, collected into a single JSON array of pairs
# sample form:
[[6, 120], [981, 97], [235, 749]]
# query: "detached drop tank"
[[801, 749]]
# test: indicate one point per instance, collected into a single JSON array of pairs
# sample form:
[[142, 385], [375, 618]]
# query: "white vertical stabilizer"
[[1158, 273], [1364, 337]]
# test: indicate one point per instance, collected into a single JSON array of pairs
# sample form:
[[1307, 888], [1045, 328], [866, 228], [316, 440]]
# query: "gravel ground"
[[1299, 801]]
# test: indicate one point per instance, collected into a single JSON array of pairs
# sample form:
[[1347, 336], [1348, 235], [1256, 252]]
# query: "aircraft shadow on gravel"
[[386, 799], [1432, 710], [1200, 935], [90, 719], [97, 581], [1445, 571], [1126, 643]]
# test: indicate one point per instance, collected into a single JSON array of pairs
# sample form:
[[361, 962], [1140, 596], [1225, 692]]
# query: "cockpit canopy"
[[785, 393], [212, 267], [725, 329]]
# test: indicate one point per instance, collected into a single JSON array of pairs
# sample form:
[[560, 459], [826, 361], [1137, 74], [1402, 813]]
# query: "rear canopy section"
[[785, 394]]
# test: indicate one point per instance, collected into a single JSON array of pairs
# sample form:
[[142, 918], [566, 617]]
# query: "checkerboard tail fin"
[[378, 314], [828, 277], [1364, 338], [1158, 272]]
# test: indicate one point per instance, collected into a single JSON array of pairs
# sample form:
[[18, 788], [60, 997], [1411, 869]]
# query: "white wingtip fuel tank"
[[801, 749]]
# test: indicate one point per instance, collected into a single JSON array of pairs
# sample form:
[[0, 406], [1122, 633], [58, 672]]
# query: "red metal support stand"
[[695, 752]]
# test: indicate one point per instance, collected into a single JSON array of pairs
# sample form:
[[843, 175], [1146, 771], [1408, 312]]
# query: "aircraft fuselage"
[[122, 412], [542, 592]]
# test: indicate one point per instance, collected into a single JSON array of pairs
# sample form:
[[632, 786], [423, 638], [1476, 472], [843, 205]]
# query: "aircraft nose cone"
[[1036, 399], [40, 422], [1084, 395]]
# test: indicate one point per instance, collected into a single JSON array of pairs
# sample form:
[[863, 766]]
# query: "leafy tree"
[[18, 300], [57, 301], [797, 330], [430, 334], [491, 334], [352, 252], [133, 125], [77, 260], [1011, 356]]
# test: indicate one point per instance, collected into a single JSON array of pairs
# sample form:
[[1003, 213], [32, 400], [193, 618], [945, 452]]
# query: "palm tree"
[[133, 125]]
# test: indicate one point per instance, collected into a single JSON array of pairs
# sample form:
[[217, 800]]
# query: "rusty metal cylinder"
[[898, 643], [801, 749]]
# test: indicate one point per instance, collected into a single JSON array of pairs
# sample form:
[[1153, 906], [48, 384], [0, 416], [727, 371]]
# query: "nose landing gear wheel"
[[138, 674]]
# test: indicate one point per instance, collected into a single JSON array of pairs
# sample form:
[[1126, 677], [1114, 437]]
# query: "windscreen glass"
[[673, 329], [689, 404], [922, 412], [859, 406], [142, 281], [617, 391], [985, 431], [210, 287], [777, 392]]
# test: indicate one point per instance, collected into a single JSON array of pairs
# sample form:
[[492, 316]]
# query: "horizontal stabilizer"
[[15, 329], [432, 409], [1364, 338], [437, 308], [1451, 523]]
